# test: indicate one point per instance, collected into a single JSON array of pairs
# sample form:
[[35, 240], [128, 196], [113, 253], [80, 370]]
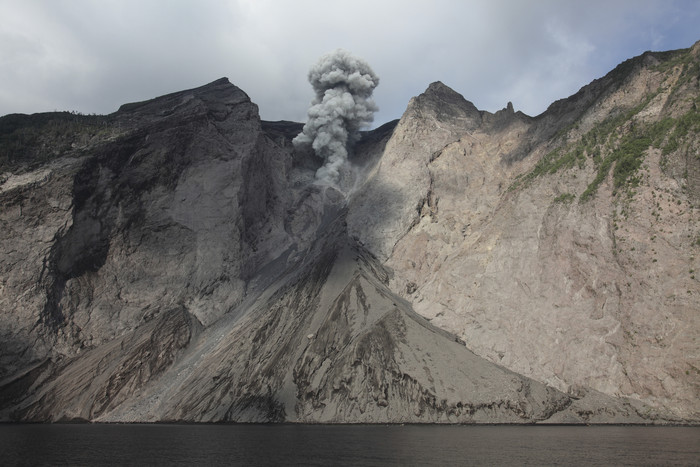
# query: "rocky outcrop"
[[390, 200], [175, 261]]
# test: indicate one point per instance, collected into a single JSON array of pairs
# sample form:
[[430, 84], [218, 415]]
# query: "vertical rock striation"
[[564, 246]]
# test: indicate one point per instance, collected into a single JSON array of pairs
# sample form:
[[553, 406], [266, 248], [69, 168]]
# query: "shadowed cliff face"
[[156, 215], [178, 262]]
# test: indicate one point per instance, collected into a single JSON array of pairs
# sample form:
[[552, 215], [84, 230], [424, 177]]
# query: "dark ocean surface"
[[356, 445]]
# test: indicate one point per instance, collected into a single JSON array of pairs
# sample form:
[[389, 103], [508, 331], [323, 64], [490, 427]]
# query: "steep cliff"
[[176, 261], [566, 246]]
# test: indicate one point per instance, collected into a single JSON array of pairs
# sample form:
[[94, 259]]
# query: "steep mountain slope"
[[325, 342], [564, 246], [175, 261]]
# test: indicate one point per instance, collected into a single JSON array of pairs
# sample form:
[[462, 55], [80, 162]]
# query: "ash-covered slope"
[[324, 341], [176, 261]]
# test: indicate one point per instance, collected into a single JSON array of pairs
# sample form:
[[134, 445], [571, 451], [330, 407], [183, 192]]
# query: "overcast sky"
[[92, 56]]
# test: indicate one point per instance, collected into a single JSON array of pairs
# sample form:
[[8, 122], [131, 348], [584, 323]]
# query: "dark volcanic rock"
[[160, 215]]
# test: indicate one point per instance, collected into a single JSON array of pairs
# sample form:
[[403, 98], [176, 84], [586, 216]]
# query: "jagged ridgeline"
[[178, 260]]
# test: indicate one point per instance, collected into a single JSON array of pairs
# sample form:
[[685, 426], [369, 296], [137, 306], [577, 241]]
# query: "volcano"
[[178, 260]]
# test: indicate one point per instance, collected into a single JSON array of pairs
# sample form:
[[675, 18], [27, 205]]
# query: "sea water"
[[339, 445]]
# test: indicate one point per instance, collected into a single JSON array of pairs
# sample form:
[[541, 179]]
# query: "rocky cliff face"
[[565, 246], [175, 261]]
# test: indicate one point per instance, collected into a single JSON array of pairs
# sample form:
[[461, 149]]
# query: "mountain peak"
[[439, 86], [445, 104], [440, 91], [218, 91]]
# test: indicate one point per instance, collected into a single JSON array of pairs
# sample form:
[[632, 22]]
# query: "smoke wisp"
[[342, 107]]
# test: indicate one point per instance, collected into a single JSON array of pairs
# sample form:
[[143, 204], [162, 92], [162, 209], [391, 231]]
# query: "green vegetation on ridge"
[[38, 138], [621, 142]]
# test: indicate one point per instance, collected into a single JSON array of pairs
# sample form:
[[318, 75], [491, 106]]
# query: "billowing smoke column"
[[342, 106]]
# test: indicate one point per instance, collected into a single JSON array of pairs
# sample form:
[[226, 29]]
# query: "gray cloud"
[[342, 106], [93, 56]]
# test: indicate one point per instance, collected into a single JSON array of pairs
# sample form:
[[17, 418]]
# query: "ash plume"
[[343, 105]]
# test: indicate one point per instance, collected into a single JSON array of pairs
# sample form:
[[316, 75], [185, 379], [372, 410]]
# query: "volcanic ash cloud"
[[342, 107]]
